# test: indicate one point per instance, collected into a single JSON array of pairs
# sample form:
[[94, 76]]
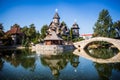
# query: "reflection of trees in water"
[[18, 57], [59, 62], [105, 70], [74, 60], [1, 64], [103, 53], [28, 63]]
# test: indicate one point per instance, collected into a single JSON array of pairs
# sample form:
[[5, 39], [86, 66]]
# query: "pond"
[[27, 65]]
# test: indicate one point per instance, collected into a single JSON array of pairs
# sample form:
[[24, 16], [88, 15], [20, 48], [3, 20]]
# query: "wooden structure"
[[53, 39]]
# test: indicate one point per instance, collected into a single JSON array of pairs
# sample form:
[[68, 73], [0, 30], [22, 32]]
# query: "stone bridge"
[[82, 44]]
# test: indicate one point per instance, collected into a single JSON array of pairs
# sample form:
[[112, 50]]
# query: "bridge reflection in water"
[[82, 44], [83, 53]]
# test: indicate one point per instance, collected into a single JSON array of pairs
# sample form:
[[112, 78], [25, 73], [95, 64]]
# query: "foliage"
[[77, 39], [65, 38], [44, 31], [31, 35], [1, 30], [63, 23], [1, 26], [5, 38], [71, 34], [117, 27], [1, 33], [104, 25], [102, 52]]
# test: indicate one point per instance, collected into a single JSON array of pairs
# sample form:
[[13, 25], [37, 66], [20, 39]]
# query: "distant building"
[[75, 30], [86, 36], [16, 34]]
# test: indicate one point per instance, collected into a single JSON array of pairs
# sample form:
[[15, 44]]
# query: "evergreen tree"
[[104, 25], [117, 27], [1, 26], [71, 34], [1, 30]]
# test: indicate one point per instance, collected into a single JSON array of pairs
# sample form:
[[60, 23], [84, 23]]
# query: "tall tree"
[[1, 26], [1, 30], [44, 31], [32, 31], [71, 34], [31, 35], [25, 30], [117, 27], [104, 25]]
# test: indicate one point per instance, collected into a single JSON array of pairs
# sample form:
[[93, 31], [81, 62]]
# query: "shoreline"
[[15, 47]]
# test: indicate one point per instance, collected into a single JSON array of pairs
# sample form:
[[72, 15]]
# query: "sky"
[[41, 12]]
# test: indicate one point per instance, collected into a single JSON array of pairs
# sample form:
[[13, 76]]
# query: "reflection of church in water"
[[57, 30], [56, 63]]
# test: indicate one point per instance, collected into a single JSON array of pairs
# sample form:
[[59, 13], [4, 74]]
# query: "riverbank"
[[13, 47]]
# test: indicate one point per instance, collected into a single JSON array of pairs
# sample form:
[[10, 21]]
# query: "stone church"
[[57, 29]]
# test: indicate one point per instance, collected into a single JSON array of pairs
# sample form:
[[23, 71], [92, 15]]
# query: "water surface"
[[27, 65]]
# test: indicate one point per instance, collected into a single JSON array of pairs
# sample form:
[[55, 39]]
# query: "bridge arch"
[[84, 43]]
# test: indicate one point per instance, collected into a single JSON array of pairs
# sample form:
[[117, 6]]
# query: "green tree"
[[117, 27], [44, 31], [65, 33], [71, 34], [25, 41], [104, 25], [25, 30], [63, 23], [31, 35], [1, 26], [32, 32], [1, 30]]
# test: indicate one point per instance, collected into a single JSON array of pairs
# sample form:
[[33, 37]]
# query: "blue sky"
[[40, 12]]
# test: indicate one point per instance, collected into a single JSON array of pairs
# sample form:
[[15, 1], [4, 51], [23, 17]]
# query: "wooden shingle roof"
[[56, 16], [52, 36]]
